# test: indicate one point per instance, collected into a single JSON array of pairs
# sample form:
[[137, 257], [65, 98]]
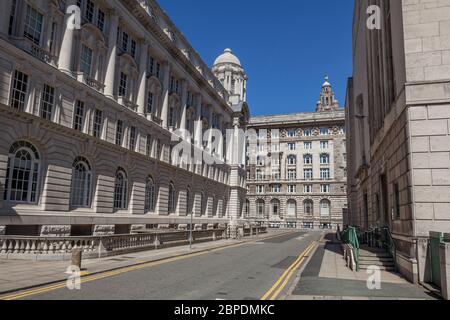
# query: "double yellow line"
[[86, 278], [278, 287]]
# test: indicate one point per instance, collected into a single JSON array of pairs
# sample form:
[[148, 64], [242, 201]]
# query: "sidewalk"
[[16, 275], [326, 277]]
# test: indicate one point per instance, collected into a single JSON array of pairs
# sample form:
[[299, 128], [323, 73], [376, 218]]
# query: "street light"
[[190, 231]]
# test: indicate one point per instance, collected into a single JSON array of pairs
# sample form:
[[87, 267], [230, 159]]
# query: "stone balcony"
[[127, 103], [90, 81], [36, 51]]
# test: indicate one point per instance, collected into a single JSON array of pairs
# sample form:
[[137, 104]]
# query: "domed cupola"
[[228, 69]]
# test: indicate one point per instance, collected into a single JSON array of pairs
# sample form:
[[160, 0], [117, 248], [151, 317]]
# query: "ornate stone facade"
[[298, 178], [88, 116], [398, 111]]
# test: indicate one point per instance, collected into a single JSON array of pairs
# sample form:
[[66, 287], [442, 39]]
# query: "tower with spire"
[[327, 100]]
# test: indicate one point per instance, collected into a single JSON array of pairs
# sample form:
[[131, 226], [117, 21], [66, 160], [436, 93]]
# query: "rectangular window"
[[158, 70], [79, 116], [325, 188], [47, 102], [12, 15], [151, 66], [275, 134], [307, 133], [125, 42], [19, 90], [292, 174], [52, 36], [308, 174], [276, 188], [33, 25], [325, 174], [123, 85], [98, 123], [307, 188], [260, 189], [133, 48], [324, 145], [133, 137], [86, 60], [291, 146], [292, 133], [150, 102], [119, 132], [148, 146], [101, 20], [89, 14], [292, 189], [308, 145], [323, 131]]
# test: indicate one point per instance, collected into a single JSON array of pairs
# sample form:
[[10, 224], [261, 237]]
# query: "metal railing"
[[350, 237]]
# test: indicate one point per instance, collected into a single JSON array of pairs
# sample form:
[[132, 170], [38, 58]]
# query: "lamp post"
[[191, 231]]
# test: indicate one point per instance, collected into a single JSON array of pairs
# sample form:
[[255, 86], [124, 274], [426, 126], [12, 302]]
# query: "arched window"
[[121, 190], [150, 192], [260, 207], [325, 207], [172, 198], [202, 203], [22, 173], [275, 204], [308, 159], [81, 184], [188, 201], [292, 208], [292, 160], [308, 207], [324, 158]]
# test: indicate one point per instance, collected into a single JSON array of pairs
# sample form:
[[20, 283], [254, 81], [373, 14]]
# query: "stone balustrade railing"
[[60, 248]]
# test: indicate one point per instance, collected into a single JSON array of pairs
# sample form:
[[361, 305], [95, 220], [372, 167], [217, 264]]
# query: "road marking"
[[109, 274], [281, 283]]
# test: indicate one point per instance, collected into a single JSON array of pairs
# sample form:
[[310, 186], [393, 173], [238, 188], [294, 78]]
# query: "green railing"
[[389, 243], [350, 237]]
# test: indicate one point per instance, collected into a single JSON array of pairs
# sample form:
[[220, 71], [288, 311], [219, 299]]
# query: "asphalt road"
[[244, 272]]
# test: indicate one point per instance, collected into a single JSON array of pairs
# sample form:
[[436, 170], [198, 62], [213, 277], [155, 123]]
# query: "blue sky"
[[286, 46]]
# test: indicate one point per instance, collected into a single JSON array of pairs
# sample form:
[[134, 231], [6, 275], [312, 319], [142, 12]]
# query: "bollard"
[[77, 255]]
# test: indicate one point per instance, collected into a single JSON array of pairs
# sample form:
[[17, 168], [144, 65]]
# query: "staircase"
[[375, 257]]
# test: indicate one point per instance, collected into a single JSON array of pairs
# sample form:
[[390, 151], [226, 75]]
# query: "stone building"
[[298, 177], [92, 94], [398, 113]]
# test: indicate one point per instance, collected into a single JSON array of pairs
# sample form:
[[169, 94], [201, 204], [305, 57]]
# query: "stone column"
[[111, 56], [165, 104], [444, 253], [142, 78], [220, 151], [67, 45], [198, 124], [48, 28], [183, 115], [210, 126]]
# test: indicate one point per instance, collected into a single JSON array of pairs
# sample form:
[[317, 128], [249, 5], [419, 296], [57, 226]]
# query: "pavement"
[[222, 270], [326, 277]]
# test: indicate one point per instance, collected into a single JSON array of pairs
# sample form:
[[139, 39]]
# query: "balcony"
[[37, 51], [91, 82], [127, 103]]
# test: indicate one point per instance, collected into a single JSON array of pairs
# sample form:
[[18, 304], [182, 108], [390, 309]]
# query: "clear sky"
[[285, 46]]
